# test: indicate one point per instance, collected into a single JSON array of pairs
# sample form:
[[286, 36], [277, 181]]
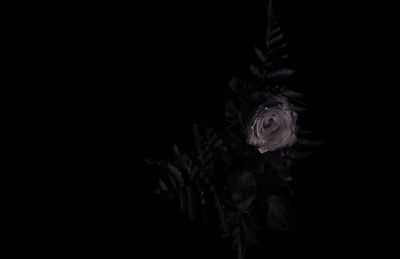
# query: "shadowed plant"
[[238, 178]]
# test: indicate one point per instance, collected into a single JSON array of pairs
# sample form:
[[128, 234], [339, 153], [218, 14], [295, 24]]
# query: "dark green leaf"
[[257, 71], [276, 39], [254, 164], [260, 55], [275, 31], [297, 108], [176, 174], [278, 49], [292, 94], [231, 112], [280, 215], [310, 143], [249, 232], [234, 84], [243, 189], [163, 187], [280, 74], [177, 153], [182, 161], [218, 143]]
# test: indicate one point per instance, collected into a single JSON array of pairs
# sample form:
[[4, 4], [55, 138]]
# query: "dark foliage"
[[223, 177]]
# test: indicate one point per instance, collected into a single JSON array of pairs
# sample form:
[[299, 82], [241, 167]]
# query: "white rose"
[[272, 126]]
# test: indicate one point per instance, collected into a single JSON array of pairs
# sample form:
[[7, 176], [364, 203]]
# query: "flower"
[[272, 126]]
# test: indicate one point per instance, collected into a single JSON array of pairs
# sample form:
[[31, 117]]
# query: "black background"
[[107, 85]]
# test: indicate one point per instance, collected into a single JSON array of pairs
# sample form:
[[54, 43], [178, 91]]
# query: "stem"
[[240, 248], [240, 252]]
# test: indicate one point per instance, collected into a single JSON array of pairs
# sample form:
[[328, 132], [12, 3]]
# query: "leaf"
[[252, 222], [270, 25], [176, 174], [220, 211], [274, 159], [209, 131], [177, 153], [152, 162], [172, 181], [236, 232], [277, 39], [208, 157], [232, 113], [280, 74], [243, 189], [278, 61], [257, 71], [182, 161], [249, 231], [260, 55], [279, 164], [297, 155], [218, 143], [310, 143], [277, 49], [236, 243], [212, 138], [304, 131], [254, 164], [280, 215], [163, 187], [234, 84], [291, 94], [276, 30], [232, 216], [297, 108]]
